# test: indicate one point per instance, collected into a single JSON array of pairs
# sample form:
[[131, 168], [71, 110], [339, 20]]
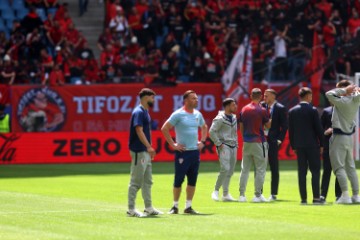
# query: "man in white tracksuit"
[[223, 132], [346, 100]]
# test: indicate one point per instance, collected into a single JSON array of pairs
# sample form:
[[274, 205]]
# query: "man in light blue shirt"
[[186, 121]]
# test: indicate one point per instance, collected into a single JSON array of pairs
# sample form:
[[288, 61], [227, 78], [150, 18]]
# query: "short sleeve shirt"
[[253, 118], [139, 117], [187, 127]]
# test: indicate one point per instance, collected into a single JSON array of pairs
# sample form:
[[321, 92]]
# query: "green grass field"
[[89, 201]]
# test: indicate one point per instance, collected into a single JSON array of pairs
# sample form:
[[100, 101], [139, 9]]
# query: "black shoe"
[[318, 201], [189, 210], [303, 202], [173, 210]]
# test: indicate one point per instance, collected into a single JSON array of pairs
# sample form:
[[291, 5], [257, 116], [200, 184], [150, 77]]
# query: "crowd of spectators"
[[188, 40]]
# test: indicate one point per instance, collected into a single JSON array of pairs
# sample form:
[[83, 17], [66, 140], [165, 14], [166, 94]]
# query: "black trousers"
[[274, 166], [309, 158], [325, 180]]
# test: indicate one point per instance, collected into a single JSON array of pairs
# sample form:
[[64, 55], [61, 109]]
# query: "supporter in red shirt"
[[133, 47], [46, 61], [65, 22], [108, 56], [56, 77], [60, 13], [111, 8], [214, 6], [329, 33], [72, 35], [325, 7], [353, 25], [49, 22], [91, 71], [55, 35], [7, 72], [195, 10], [142, 7]]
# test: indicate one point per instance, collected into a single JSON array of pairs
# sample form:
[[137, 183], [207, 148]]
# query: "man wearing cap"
[[275, 136], [223, 132], [252, 119], [142, 153]]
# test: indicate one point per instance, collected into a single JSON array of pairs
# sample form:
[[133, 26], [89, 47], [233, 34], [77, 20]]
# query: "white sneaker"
[[228, 198], [355, 199], [135, 213], [344, 200], [152, 211], [272, 198], [259, 199], [242, 199], [215, 195]]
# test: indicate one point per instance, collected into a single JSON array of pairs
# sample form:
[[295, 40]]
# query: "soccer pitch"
[[89, 201]]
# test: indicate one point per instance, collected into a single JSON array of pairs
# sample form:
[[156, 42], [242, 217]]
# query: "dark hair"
[[187, 93], [343, 83], [304, 91], [146, 92], [227, 101], [270, 90], [256, 93]]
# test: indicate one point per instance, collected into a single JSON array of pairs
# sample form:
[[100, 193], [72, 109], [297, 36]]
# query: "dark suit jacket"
[[305, 129], [326, 123], [279, 123]]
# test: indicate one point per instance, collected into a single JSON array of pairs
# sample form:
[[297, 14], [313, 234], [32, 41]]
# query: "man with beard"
[[142, 153], [187, 121], [223, 132]]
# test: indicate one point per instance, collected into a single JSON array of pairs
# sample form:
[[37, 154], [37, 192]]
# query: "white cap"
[[7, 58], [207, 55], [58, 48], [134, 39]]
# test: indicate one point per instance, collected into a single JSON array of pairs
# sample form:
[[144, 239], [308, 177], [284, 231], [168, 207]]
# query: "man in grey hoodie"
[[223, 132], [346, 100]]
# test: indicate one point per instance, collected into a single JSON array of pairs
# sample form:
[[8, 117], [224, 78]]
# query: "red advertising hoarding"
[[60, 147], [100, 108]]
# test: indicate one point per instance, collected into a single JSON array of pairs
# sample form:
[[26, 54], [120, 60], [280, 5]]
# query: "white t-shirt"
[[280, 47]]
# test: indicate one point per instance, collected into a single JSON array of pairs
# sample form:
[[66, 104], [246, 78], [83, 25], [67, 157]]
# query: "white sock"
[[345, 194], [188, 203], [176, 204]]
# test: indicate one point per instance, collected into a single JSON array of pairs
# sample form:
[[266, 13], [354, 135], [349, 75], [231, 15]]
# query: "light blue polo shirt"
[[187, 127]]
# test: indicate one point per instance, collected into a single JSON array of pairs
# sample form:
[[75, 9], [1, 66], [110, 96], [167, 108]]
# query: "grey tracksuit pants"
[[342, 162], [227, 159], [140, 177], [253, 153]]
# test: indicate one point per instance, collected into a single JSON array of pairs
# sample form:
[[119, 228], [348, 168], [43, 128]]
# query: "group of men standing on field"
[[263, 124]]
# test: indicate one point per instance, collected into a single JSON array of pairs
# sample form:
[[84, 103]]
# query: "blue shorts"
[[186, 164]]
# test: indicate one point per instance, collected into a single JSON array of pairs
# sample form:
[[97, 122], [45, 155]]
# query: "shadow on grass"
[[53, 170]]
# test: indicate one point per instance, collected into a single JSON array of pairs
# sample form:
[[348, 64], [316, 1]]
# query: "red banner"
[[26, 148], [100, 108]]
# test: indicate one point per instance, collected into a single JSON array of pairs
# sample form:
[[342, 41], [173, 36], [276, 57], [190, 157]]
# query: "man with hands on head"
[[346, 100]]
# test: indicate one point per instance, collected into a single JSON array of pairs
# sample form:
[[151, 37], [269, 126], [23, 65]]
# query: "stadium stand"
[[162, 42]]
